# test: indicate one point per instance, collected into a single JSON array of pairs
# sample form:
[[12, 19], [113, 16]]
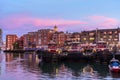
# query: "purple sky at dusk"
[[22, 16]]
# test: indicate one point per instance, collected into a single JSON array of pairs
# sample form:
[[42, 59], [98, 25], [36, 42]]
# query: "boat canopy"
[[115, 63]]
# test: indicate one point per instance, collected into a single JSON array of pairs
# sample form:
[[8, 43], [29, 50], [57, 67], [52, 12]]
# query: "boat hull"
[[114, 69]]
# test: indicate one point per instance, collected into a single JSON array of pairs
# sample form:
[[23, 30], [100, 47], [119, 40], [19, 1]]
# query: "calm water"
[[27, 67]]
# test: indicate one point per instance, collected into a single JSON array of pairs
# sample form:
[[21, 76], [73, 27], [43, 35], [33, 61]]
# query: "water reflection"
[[75, 70], [28, 61], [19, 66], [88, 69], [115, 75]]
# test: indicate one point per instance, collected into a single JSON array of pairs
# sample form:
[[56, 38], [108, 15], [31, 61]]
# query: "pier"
[[100, 56], [65, 56]]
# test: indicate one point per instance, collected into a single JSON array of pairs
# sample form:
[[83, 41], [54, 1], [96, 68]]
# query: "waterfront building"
[[75, 37], [10, 40], [59, 38], [19, 43], [44, 36], [72, 37], [25, 41], [87, 37], [110, 36], [30, 40], [68, 36]]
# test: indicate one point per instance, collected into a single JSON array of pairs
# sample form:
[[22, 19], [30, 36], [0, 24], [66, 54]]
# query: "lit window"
[[91, 34], [104, 36], [92, 38], [101, 39], [84, 38], [116, 35], [115, 32], [104, 32], [110, 32], [115, 39], [110, 36]]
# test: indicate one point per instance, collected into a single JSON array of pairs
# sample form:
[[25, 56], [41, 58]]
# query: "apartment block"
[[10, 40], [110, 36], [30, 40], [59, 38]]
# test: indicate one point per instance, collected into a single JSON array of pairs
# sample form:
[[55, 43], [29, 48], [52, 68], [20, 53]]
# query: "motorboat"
[[88, 69], [88, 72], [114, 65]]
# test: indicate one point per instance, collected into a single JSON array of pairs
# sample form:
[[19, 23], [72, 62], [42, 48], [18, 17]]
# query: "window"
[[115, 32], [84, 38], [110, 32], [91, 34], [104, 36], [116, 35], [115, 39], [110, 36], [92, 39], [104, 32]]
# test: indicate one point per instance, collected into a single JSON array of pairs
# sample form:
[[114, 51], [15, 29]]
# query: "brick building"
[[110, 36], [30, 40], [44, 36], [10, 40], [59, 38]]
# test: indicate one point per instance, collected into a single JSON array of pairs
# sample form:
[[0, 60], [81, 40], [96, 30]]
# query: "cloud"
[[20, 24], [18, 21], [104, 22], [101, 22]]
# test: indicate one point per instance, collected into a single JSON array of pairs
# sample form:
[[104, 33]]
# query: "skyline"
[[20, 17]]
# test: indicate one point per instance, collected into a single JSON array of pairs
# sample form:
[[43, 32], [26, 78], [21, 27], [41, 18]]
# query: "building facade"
[[10, 40], [19, 43], [59, 38], [110, 36], [30, 40], [44, 36]]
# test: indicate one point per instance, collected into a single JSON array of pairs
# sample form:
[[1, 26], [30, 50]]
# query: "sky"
[[23, 16]]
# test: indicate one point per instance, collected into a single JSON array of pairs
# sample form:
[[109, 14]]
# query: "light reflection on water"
[[19, 66]]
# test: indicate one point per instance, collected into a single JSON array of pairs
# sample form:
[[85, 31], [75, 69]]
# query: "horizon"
[[21, 17]]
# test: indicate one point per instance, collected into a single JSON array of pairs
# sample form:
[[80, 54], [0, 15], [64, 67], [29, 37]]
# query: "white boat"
[[114, 65]]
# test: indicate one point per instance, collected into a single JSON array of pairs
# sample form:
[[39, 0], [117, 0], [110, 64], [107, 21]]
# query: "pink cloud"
[[23, 22], [101, 22], [17, 21]]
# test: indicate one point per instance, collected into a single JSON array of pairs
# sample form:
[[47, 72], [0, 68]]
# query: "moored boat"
[[114, 65], [53, 48]]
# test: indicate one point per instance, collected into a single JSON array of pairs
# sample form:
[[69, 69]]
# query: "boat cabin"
[[101, 45], [52, 47], [114, 63]]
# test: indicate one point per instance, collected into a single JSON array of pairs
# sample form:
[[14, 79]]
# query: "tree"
[[16, 45]]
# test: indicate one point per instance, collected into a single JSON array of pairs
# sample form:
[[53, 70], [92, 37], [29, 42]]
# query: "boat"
[[88, 69], [114, 65], [101, 46], [53, 48], [89, 73]]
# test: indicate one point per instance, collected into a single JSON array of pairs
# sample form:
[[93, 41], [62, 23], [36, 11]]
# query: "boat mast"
[[96, 35]]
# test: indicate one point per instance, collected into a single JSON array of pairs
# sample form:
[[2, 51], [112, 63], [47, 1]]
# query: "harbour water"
[[21, 66]]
